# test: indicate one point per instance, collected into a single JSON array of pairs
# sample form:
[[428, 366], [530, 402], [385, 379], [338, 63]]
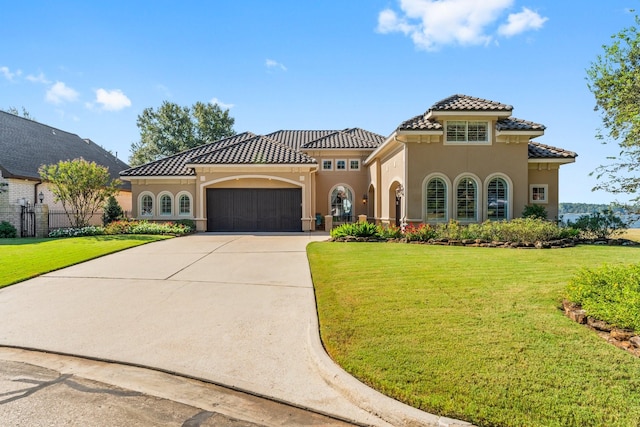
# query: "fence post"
[[42, 220]]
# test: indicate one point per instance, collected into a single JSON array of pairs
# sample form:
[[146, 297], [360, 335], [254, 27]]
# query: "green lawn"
[[21, 259], [474, 333]]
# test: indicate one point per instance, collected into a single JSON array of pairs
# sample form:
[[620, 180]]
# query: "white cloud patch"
[[271, 64], [222, 104], [112, 100], [520, 22], [40, 78], [60, 93], [8, 74], [432, 24]]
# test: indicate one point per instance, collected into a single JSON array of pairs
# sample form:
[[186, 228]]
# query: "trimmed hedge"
[[518, 230], [178, 228]]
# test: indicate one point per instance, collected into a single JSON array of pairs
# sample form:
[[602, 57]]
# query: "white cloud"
[[60, 93], [6, 72], [432, 24], [40, 78], [520, 22], [112, 100], [221, 104], [270, 63]]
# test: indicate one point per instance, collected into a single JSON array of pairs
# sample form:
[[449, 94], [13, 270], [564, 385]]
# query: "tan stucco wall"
[[157, 187], [546, 174], [453, 161], [393, 169]]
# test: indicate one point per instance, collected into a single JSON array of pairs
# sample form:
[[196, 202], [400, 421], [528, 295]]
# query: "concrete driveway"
[[234, 310]]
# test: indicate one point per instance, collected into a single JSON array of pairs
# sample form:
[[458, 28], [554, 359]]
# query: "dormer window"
[[465, 132]]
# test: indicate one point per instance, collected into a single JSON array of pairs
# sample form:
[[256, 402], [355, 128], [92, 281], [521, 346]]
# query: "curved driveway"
[[236, 310]]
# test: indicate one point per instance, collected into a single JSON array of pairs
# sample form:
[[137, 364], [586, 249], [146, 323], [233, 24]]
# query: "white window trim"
[[159, 204], [487, 142], [447, 181], [479, 198], [153, 204], [509, 193], [329, 168], [354, 160], [346, 165], [178, 197], [546, 194]]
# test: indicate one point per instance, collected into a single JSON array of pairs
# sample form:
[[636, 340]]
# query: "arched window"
[[146, 205], [467, 200], [184, 205], [342, 204], [497, 199], [436, 199], [166, 208]]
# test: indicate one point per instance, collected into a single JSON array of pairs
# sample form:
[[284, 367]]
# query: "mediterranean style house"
[[466, 159]]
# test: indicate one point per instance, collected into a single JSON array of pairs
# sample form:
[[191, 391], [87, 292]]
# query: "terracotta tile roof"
[[512, 123], [542, 151], [349, 138], [420, 123], [256, 150], [366, 135], [26, 144], [297, 138], [176, 165], [281, 147], [460, 102]]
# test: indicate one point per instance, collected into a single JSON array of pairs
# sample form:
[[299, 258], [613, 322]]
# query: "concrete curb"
[[390, 411]]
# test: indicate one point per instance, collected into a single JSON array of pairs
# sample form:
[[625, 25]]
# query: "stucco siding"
[[545, 174]]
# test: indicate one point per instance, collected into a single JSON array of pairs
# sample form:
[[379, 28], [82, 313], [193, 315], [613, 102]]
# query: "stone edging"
[[478, 243], [621, 338]]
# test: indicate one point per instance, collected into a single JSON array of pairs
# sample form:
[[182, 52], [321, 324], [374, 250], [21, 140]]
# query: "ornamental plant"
[[609, 293]]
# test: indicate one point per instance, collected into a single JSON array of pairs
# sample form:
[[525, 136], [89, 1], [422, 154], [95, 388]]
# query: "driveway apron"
[[236, 310]]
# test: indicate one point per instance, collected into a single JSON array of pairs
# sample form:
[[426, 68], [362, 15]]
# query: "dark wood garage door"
[[254, 209]]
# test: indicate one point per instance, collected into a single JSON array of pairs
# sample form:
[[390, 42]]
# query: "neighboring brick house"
[[466, 159], [25, 145]]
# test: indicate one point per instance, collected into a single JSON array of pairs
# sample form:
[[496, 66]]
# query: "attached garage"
[[254, 209]]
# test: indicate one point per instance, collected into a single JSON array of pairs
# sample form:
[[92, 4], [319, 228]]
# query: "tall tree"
[[81, 186], [172, 128], [614, 79]]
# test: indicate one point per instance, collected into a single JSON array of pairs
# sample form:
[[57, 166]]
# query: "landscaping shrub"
[[126, 227], [390, 232], [600, 225], [356, 229], [77, 232], [119, 227], [421, 233], [7, 231], [112, 211], [534, 211], [145, 227], [611, 294], [519, 230]]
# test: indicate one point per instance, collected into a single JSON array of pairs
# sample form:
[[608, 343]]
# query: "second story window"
[[459, 131]]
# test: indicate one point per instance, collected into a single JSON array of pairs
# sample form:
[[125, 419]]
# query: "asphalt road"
[[40, 389]]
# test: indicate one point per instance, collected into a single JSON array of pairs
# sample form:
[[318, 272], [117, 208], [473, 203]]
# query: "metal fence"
[[60, 219]]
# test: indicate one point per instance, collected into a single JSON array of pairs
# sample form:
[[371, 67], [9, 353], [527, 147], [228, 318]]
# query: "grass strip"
[[22, 259], [474, 333]]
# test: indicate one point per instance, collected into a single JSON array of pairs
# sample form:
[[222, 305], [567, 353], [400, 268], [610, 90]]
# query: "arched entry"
[[396, 194]]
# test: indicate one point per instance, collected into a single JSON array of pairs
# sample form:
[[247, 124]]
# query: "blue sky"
[[91, 67]]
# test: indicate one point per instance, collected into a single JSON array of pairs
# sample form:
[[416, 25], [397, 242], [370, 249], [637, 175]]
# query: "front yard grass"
[[474, 333], [21, 259]]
